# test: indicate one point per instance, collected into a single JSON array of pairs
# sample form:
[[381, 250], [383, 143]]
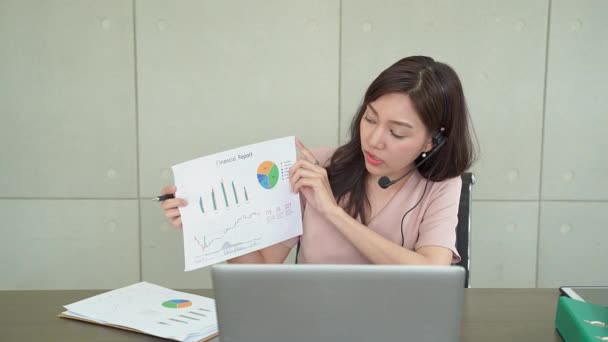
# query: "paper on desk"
[[239, 201], [151, 309]]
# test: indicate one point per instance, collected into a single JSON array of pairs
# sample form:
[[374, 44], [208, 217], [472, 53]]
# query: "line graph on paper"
[[219, 241], [228, 248], [241, 233]]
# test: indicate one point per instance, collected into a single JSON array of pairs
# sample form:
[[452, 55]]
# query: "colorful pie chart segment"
[[268, 174], [177, 303]]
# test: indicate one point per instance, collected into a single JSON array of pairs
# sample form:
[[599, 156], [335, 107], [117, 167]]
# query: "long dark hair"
[[436, 93]]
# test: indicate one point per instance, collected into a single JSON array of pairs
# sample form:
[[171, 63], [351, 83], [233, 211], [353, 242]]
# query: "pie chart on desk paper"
[[177, 303], [268, 174]]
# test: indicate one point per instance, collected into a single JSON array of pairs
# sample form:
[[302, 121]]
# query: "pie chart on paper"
[[268, 174], [177, 303]]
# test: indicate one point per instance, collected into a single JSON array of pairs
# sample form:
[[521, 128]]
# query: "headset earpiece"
[[439, 140]]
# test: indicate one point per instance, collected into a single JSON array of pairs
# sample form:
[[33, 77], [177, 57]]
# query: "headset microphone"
[[384, 182]]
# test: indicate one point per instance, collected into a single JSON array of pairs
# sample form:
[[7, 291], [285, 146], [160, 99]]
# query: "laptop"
[[306, 303]]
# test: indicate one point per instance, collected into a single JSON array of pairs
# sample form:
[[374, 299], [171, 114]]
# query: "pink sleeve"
[[290, 243], [323, 155], [438, 226]]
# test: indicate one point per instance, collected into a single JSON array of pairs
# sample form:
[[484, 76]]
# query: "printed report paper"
[[239, 201]]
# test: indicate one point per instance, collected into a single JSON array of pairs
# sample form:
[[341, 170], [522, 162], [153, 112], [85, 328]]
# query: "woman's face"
[[392, 136]]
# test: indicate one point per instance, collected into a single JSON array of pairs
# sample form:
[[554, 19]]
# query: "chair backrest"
[[463, 229]]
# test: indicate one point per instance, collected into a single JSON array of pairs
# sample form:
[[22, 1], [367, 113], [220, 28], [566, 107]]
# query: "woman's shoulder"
[[323, 154], [451, 182], [449, 187]]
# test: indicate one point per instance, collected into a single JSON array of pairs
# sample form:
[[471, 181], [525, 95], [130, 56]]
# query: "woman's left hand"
[[309, 178]]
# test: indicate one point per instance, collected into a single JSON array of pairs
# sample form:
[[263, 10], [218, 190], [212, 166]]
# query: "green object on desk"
[[581, 321]]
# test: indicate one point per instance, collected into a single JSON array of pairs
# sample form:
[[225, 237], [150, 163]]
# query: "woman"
[[390, 195]]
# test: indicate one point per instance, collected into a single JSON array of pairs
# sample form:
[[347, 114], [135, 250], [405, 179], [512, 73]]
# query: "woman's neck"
[[372, 184]]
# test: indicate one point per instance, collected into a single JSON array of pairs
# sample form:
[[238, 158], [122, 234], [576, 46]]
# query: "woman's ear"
[[428, 145]]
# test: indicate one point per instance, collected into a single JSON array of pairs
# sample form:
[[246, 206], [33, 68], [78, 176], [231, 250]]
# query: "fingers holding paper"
[[170, 206], [309, 178], [305, 153]]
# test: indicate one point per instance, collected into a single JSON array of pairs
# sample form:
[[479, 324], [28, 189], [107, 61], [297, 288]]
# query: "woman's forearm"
[[379, 250], [249, 258]]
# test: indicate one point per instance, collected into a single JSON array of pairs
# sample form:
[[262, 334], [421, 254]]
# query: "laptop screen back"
[[338, 302]]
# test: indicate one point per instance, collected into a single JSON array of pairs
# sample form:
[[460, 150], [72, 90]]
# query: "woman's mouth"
[[372, 159]]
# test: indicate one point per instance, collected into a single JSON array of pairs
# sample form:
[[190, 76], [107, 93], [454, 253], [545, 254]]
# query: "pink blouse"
[[431, 223]]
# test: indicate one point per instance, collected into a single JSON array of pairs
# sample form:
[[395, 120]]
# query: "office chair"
[[463, 229]]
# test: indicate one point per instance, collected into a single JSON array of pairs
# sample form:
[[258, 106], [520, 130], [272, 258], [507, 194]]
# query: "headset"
[[438, 141]]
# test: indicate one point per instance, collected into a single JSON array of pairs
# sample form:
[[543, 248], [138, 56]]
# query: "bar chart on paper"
[[239, 200], [224, 195]]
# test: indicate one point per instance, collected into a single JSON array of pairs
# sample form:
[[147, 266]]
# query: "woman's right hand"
[[170, 206]]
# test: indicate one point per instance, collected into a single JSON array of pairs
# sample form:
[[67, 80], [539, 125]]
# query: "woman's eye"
[[397, 136], [369, 120]]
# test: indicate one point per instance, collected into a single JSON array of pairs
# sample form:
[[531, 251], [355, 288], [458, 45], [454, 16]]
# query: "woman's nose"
[[375, 138]]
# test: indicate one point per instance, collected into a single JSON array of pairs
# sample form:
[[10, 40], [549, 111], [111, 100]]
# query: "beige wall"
[[99, 98]]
